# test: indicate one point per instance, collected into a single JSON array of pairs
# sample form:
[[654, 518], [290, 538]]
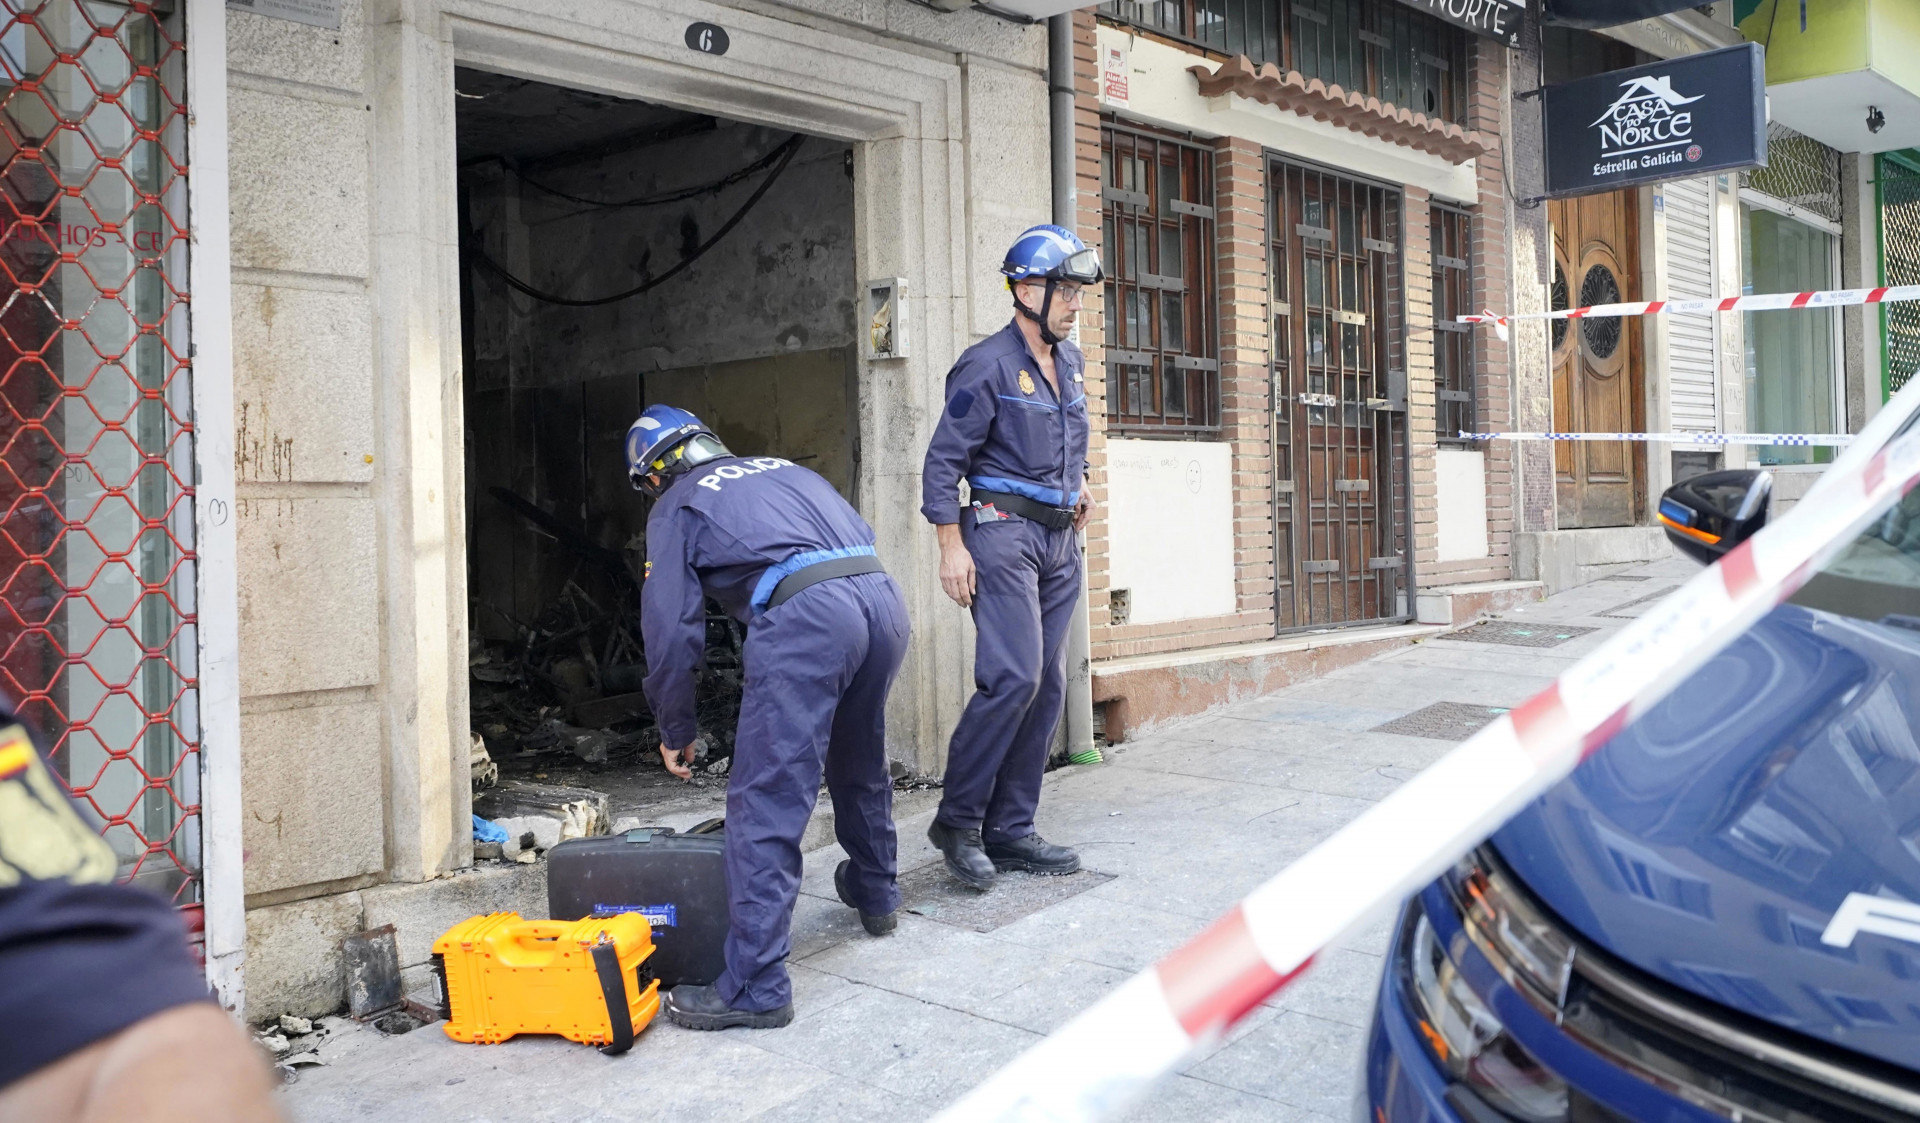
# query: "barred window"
[[1452, 342], [1156, 205], [1378, 47]]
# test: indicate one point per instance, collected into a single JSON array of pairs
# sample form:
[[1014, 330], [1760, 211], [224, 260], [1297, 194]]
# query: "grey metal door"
[[1339, 385]]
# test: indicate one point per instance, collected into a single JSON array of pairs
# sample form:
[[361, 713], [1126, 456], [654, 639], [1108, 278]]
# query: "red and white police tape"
[[1820, 439], [1105, 1059], [1760, 302]]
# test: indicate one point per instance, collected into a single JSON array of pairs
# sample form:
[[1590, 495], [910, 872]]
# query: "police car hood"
[[1755, 838]]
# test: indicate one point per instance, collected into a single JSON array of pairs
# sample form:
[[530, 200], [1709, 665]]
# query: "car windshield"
[[1877, 577]]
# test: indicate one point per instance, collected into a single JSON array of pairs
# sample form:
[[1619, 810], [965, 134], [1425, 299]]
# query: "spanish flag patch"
[[16, 752], [41, 836]]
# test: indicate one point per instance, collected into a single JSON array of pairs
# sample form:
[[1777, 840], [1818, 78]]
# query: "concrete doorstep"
[[1173, 829]]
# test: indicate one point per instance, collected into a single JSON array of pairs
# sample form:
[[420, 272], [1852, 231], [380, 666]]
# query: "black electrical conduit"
[[785, 155], [680, 195]]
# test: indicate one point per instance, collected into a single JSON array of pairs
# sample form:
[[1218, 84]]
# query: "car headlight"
[[1462, 1033]]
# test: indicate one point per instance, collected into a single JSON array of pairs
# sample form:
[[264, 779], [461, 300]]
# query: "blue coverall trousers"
[[1027, 580], [818, 670]]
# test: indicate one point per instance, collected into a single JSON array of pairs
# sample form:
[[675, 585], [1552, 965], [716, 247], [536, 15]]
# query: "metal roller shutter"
[[1691, 383]]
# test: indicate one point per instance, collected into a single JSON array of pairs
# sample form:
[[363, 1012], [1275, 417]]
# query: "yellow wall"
[[1842, 36]]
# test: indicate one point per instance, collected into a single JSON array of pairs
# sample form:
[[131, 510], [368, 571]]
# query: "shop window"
[[1452, 342], [1793, 360], [1163, 371], [97, 553], [1377, 47]]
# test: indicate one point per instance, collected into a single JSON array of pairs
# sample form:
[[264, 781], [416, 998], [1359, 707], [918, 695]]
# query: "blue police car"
[[1717, 916]]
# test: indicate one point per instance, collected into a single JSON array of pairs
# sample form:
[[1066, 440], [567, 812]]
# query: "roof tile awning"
[[1311, 97]]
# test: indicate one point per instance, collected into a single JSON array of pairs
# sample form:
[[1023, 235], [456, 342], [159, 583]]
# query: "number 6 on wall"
[[708, 38]]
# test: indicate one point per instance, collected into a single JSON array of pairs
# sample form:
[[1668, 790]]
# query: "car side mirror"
[[1709, 515]]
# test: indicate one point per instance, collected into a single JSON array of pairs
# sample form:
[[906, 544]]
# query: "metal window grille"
[[1339, 381], [1452, 342], [1898, 181], [1378, 47], [1800, 170], [1163, 372], [97, 560]]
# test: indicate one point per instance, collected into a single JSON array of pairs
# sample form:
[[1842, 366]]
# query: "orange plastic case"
[[504, 976]]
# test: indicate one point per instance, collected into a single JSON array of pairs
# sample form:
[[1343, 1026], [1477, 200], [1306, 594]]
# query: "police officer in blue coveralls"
[[780, 551], [1015, 429]]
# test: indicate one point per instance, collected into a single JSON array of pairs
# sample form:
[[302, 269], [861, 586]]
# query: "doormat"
[[1518, 633], [1443, 721], [1633, 608], [932, 892]]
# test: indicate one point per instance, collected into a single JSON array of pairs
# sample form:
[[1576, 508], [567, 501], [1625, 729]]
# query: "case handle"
[[540, 931]]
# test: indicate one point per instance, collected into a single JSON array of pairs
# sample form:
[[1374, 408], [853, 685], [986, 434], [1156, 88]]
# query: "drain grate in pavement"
[[1443, 721], [931, 891], [1518, 633], [1633, 608]]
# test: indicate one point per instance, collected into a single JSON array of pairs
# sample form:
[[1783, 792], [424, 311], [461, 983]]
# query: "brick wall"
[[1492, 359], [1240, 234], [1244, 337], [1417, 277], [1086, 141]]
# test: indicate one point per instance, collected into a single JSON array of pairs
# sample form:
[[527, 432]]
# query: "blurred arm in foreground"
[[104, 1015]]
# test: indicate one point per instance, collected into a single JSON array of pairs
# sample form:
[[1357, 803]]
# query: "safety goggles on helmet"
[[675, 462], [1082, 268], [666, 442], [1051, 253]]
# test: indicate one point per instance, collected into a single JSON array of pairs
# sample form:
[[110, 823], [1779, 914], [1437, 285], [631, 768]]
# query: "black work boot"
[[875, 924], [1034, 855], [966, 859], [695, 1007]]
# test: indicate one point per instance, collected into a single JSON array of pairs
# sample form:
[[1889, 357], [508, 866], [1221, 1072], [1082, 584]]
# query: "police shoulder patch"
[[40, 835]]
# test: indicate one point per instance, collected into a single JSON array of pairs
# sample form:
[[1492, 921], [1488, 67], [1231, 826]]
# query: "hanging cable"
[[785, 153], [679, 195]]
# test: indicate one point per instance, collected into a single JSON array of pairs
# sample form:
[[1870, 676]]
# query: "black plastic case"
[[678, 881]]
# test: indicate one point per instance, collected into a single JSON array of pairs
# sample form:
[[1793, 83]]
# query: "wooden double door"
[[1598, 376]]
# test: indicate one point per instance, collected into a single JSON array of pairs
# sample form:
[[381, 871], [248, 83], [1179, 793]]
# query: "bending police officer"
[[1015, 428], [780, 550]]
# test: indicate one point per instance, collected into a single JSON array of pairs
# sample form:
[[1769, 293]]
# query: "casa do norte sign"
[[1675, 119], [1495, 19]]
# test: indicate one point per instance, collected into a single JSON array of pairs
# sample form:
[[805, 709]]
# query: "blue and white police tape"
[[1808, 439]]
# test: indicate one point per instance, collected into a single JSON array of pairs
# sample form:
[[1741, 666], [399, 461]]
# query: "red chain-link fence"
[[97, 644]]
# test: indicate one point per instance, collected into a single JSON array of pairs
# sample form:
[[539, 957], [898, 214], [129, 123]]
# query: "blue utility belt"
[[1053, 518], [803, 571]]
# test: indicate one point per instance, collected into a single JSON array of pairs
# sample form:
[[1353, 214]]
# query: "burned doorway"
[[617, 254], [1340, 399]]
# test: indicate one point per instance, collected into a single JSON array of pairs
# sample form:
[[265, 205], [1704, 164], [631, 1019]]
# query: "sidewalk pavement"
[[1173, 830]]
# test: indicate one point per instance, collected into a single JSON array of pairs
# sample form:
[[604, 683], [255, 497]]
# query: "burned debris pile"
[[566, 691]]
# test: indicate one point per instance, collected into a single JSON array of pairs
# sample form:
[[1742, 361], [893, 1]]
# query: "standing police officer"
[[1015, 428], [779, 549]]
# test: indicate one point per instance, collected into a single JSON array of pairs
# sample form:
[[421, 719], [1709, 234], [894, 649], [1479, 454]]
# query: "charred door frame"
[[1380, 507]]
